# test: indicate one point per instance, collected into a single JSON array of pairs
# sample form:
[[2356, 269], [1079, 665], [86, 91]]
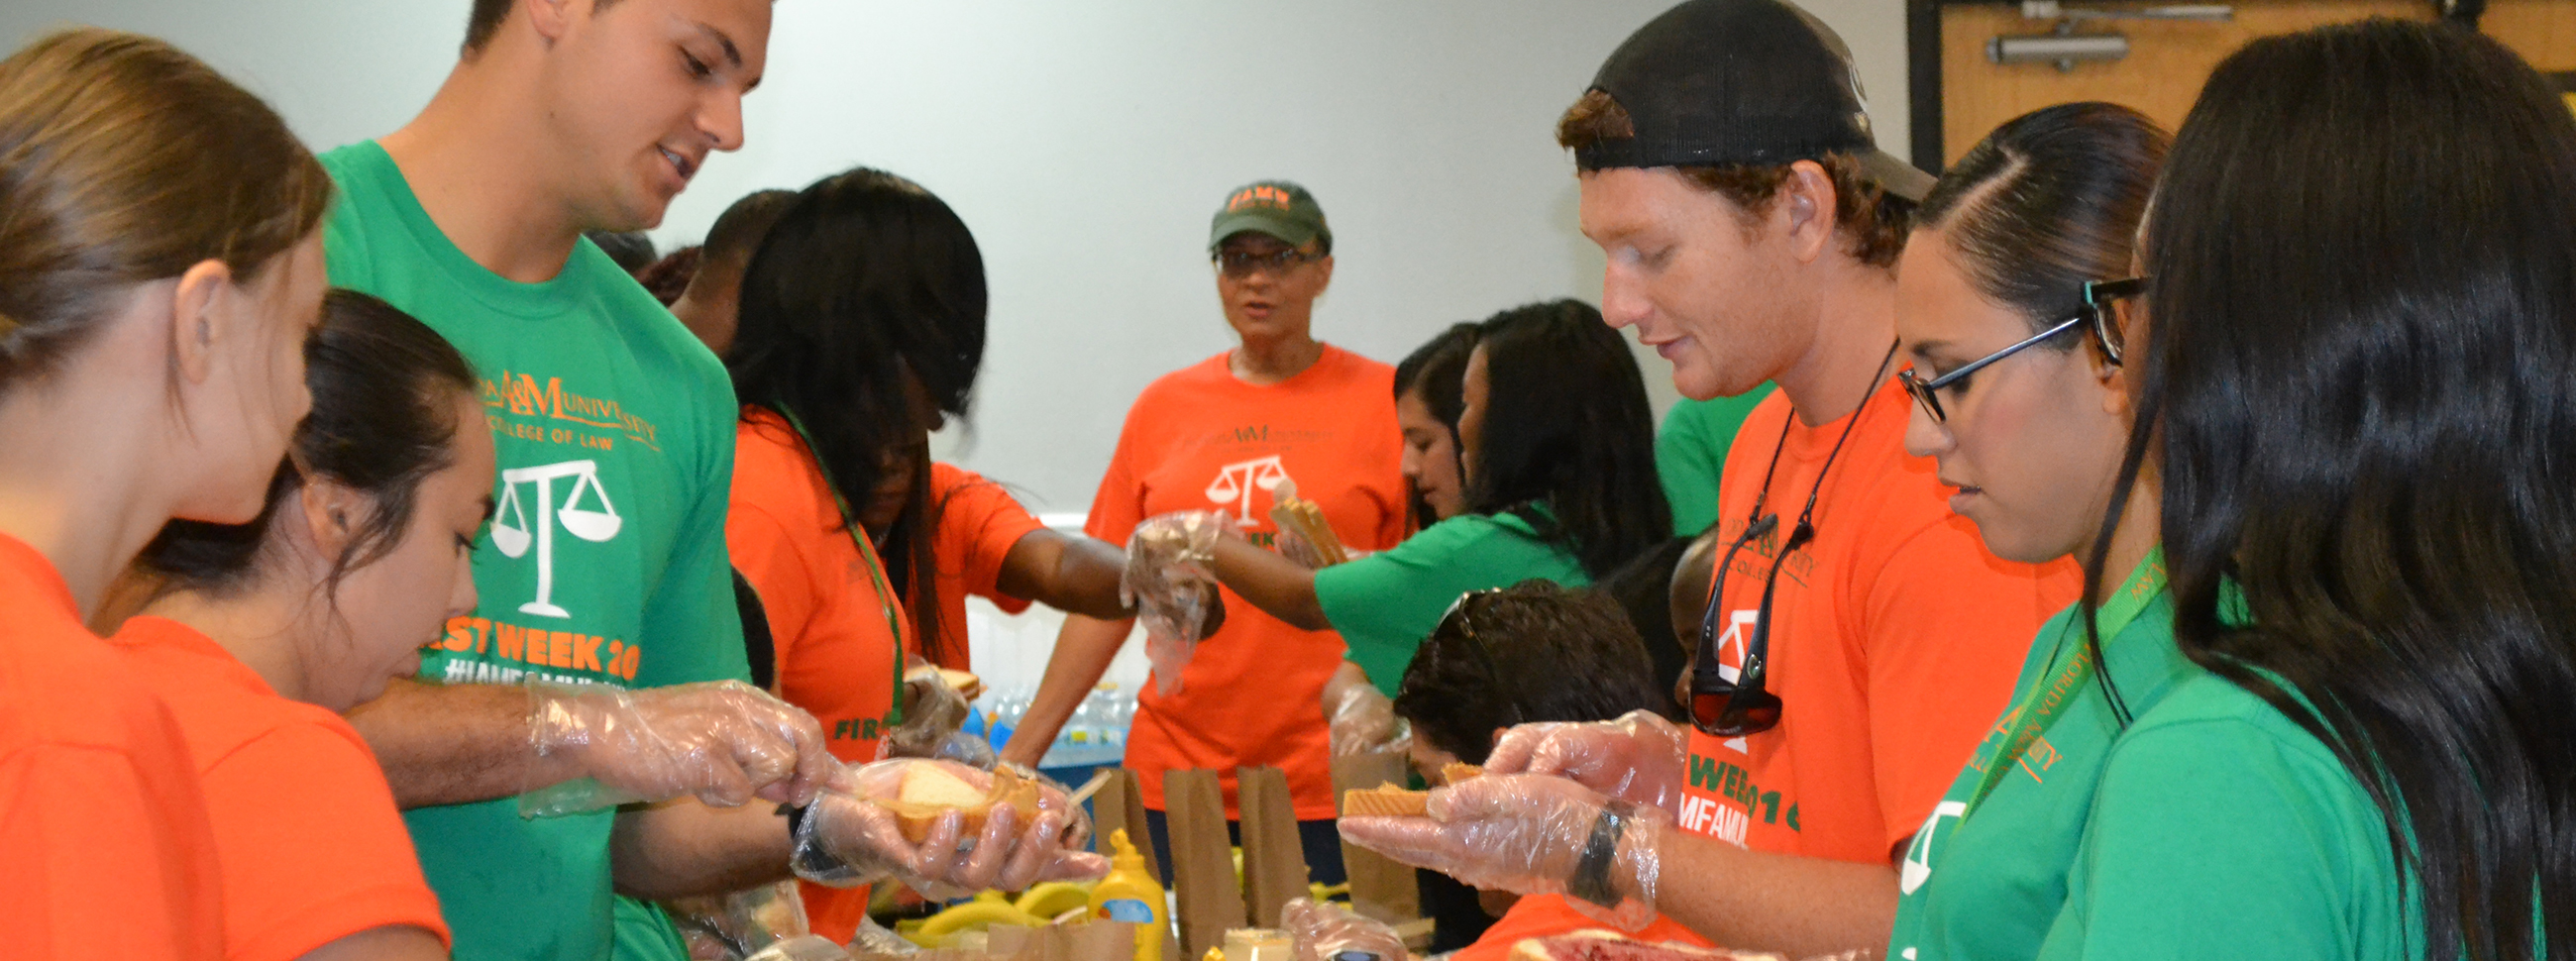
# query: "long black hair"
[[2044, 204], [866, 280], [384, 418], [1567, 425], [1436, 372], [2364, 323]]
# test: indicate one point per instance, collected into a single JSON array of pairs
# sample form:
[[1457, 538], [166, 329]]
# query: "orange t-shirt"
[[831, 628], [313, 849], [1200, 439], [978, 524], [104, 846], [1548, 915], [1895, 639]]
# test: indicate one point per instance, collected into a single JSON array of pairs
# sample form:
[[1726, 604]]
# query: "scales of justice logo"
[[514, 535], [1235, 483]]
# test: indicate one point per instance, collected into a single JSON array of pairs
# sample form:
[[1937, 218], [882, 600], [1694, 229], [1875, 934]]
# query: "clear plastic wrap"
[[724, 742], [1532, 834], [746, 923], [1171, 582], [1327, 932], [1640, 758], [969, 830]]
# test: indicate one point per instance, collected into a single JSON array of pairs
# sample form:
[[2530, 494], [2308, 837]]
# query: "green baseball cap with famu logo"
[[1275, 207]]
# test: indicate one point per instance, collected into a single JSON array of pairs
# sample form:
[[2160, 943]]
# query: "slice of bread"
[[1385, 800], [1454, 772], [965, 683], [929, 791]]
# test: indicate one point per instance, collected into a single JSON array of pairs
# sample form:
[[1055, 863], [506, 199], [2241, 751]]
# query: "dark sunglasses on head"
[[2098, 311]]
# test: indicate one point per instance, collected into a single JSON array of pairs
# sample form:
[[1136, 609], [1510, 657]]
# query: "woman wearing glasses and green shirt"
[[1994, 288]]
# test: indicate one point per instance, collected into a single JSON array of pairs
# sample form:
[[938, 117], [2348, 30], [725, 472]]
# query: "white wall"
[[1087, 143]]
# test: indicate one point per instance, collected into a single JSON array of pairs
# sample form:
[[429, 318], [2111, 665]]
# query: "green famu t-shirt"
[[605, 559], [2223, 830], [1989, 885], [1386, 603]]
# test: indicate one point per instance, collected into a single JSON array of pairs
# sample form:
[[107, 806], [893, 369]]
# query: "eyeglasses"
[[2099, 298], [1239, 264], [1734, 708]]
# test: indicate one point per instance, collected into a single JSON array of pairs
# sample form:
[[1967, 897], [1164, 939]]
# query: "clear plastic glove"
[[1362, 718], [724, 742], [1640, 758], [1530, 834], [744, 922], [933, 712], [847, 837], [1324, 932], [1171, 582]]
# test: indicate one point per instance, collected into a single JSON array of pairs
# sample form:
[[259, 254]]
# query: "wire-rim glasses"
[[2098, 310]]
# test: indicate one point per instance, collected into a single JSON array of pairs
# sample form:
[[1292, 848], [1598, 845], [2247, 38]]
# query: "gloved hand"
[[933, 712], [744, 922], [846, 839], [1361, 717], [724, 742], [1321, 932], [1640, 758], [1532, 834], [1171, 573]]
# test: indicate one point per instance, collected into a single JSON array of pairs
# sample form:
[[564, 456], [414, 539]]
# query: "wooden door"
[[2168, 60]]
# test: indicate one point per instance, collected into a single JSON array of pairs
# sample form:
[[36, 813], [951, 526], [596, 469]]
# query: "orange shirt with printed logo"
[[1895, 639], [835, 634], [312, 847], [105, 851], [977, 525], [1199, 439]]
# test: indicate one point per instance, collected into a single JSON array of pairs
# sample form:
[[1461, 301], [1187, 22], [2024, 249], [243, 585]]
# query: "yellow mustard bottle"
[[1131, 894]]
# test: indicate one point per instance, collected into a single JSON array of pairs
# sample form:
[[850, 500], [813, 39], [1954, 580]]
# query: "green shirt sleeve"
[[1385, 604], [2230, 837]]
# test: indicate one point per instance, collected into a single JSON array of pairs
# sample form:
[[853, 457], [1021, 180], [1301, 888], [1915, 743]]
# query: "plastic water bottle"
[[1006, 716], [1113, 716]]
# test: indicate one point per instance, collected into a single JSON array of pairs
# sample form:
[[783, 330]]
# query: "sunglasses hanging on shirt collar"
[[1721, 707]]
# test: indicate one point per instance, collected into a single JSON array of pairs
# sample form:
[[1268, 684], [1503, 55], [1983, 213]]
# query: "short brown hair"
[[486, 19], [1875, 220], [122, 161]]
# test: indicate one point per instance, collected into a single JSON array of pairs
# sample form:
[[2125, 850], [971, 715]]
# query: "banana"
[[1054, 898], [988, 909]]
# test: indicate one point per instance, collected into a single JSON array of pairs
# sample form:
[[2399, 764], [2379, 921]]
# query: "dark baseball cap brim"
[[1289, 231], [1896, 176]]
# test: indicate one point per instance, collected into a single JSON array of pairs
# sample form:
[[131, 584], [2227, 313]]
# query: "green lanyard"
[[867, 553], [2044, 703]]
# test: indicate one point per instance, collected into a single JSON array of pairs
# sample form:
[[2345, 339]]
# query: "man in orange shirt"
[[1859, 639], [1221, 435]]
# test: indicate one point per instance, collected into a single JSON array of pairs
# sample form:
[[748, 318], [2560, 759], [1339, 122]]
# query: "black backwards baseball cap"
[[1714, 83]]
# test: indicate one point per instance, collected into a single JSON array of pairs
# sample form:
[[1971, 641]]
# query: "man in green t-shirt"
[[604, 574]]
